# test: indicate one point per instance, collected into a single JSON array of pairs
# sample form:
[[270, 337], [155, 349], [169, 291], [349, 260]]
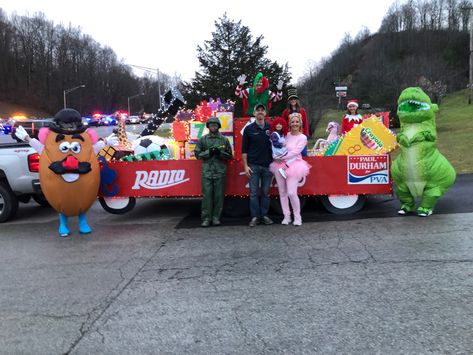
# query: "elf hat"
[[352, 103], [292, 94]]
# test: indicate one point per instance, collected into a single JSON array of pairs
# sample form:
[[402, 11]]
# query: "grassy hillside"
[[454, 129]]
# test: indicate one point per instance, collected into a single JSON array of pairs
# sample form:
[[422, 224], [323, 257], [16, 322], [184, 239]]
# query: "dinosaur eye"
[[64, 147], [75, 147]]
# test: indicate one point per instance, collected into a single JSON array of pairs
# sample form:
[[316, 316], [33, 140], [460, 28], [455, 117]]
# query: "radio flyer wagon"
[[341, 182]]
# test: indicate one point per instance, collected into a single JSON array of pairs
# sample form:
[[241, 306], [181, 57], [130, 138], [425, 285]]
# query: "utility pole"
[[470, 84], [470, 98], [154, 71], [159, 91]]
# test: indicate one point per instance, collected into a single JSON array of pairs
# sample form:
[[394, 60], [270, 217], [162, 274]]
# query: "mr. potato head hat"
[[68, 121]]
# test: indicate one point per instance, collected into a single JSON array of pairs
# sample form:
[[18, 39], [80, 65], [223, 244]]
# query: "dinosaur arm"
[[419, 137], [403, 140], [423, 136], [430, 136]]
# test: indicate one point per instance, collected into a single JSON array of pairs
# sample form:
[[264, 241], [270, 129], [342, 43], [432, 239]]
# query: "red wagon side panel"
[[337, 175]]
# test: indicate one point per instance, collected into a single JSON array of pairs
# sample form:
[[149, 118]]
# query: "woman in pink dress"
[[295, 143]]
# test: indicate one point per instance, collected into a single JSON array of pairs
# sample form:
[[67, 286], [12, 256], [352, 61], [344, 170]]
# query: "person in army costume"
[[214, 149]]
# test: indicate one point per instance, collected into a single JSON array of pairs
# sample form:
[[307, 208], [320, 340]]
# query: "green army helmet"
[[213, 120]]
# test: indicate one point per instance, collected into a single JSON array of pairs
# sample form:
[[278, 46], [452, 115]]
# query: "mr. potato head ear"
[[93, 135], [43, 134]]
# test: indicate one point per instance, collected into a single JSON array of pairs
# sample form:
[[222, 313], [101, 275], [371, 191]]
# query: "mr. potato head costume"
[[69, 171]]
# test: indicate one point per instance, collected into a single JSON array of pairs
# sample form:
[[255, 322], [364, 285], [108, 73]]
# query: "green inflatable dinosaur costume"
[[420, 170]]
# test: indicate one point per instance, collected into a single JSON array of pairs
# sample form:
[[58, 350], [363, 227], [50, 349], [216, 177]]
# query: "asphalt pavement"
[[145, 282]]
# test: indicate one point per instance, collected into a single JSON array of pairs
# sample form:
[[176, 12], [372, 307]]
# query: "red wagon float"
[[341, 182]]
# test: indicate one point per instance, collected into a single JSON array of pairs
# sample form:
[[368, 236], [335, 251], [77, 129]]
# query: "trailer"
[[340, 182]]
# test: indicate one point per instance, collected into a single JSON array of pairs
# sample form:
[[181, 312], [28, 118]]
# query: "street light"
[[70, 90], [154, 71], [130, 98]]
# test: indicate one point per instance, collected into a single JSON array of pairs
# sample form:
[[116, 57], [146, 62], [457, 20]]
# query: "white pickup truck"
[[19, 178]]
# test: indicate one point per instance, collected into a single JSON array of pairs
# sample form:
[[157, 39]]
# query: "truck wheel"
[[41, 200], [117, 205], [343, 204], [276, 204], [236, 207], [8, 203]]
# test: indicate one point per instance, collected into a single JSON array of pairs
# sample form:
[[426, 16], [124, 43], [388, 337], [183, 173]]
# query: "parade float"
[[355, 165]]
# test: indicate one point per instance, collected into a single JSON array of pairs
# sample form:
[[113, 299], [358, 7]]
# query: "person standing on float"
[[294, 106], [258, 94], [214, 149], [299, 168], [352, 118]]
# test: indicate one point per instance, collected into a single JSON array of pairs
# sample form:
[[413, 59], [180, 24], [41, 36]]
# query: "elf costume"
[[350, 121], [252, 96]]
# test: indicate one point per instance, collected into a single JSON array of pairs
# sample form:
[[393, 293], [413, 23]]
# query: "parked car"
[[5, 126], [90, 121], [108, 120], [19, 179], [132, 120]]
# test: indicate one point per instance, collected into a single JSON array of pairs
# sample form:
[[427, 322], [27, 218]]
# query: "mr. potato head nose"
[[71, 163]]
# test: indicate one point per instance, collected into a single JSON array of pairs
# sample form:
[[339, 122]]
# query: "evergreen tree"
[[231, 52]]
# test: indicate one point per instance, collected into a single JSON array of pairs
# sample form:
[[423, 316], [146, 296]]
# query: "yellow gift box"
[[189, 150], [226, 121]]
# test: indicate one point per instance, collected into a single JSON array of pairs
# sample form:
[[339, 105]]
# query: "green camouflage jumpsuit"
[[213, 149]]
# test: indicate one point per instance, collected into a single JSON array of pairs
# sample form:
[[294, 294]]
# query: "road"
[[152, 281]]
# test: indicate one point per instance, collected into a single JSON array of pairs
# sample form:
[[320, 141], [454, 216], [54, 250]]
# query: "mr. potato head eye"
[[74, 147]]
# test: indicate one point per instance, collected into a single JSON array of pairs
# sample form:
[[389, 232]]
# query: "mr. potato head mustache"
[[70, 165]]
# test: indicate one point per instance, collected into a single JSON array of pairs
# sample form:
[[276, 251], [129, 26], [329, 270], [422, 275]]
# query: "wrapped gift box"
[[226, 120], [197, 130], [180, 130], [189, 150], [177, 150]]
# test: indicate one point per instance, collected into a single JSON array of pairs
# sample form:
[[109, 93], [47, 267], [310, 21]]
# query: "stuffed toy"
[[257, 94], [322, 144], [420, 170], [68, 167]]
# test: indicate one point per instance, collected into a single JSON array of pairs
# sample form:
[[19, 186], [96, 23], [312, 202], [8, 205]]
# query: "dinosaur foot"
[[405, 210], [424, 212]]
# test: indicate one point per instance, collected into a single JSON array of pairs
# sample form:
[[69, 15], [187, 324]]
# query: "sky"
[[165, 34]]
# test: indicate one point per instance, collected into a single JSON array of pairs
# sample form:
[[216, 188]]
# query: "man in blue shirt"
[[256, 156]]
